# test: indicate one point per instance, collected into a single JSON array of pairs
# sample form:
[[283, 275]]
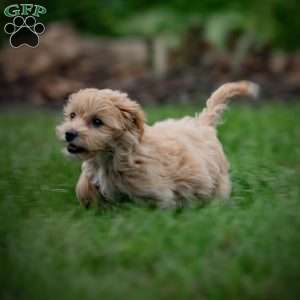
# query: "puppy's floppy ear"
[[133, 115]]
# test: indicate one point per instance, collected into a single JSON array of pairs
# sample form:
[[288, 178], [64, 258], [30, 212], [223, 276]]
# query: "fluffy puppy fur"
[[169, 163]]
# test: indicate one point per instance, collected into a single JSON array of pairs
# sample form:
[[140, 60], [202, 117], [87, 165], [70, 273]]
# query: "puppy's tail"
[[217, 102]]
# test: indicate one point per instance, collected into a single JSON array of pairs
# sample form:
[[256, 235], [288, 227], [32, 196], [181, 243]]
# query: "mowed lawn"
[[245, 248]]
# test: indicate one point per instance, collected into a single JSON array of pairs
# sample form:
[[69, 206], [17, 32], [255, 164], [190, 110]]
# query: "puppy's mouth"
[[75, 149]]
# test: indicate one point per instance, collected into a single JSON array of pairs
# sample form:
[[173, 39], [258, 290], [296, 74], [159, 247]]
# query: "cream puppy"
[[169, 164]]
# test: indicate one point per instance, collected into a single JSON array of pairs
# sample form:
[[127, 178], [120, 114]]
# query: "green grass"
[[246, 248]]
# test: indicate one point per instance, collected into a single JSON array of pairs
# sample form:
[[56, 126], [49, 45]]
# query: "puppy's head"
[[95, 120]]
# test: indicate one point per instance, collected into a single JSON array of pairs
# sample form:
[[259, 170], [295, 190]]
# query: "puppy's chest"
[[108, 183]]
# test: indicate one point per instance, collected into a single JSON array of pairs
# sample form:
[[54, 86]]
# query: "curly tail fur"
[[217, 102]]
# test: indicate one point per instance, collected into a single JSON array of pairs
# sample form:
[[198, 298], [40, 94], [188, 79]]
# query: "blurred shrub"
[[273, 22]]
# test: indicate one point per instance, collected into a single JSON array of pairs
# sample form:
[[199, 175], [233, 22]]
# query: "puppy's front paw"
[[85, 191]]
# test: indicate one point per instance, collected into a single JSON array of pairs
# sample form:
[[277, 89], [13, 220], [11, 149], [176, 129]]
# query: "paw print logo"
[[24, 31]]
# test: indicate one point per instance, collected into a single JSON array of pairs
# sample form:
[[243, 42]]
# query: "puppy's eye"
[[72, 115], [97, 122]]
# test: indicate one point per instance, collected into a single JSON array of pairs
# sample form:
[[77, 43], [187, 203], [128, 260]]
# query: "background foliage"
[[275, 22]]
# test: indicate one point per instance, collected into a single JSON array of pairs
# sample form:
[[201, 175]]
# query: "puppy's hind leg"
[[167, 200], [167, 204], [223, 188]]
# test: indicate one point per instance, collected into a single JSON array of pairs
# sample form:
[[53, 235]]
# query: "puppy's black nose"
[[71, 135]]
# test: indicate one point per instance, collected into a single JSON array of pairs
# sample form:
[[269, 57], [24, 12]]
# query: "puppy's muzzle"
[[71, 135]]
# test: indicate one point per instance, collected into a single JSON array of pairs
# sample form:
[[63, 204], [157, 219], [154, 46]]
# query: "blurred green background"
[[155, 49], [274, 22]]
